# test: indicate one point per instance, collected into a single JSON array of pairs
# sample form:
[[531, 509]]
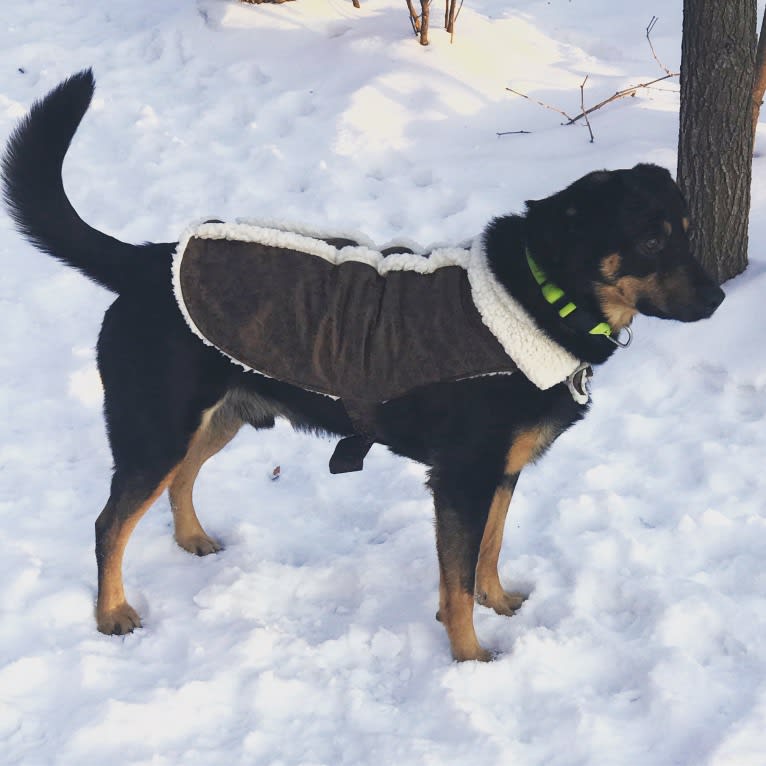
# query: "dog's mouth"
[[703, 304]]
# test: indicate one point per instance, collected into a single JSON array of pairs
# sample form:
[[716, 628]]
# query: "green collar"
[[554, 295]]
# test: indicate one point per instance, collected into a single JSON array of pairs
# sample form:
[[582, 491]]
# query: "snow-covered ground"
[[311, 640]]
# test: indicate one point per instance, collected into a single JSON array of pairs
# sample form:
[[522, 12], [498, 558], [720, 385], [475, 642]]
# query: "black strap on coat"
[[350, 452]]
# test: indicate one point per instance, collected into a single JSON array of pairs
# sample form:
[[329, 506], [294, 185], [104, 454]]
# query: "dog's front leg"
[[489, 591], [526, 445], [218, 426]]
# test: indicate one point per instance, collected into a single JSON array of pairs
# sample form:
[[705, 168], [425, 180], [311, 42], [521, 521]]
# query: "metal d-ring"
[[578, 383], [618, 342]]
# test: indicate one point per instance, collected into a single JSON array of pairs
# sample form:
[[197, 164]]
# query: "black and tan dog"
[[612, 244]]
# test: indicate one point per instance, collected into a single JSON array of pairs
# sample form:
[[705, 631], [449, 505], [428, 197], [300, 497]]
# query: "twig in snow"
[[543, 104], [582, 107], [631, 91], [652, 24]]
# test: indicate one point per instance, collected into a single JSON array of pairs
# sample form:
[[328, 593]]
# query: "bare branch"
[[631, 91], [514, 132], [582, 107], [652, 24], [541, 103]]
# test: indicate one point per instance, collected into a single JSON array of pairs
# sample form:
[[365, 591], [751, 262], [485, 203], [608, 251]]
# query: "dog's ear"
[[551, 224], [543, 228], [559, 227], [595, 179], [652, 179], [555, 223], [649, 170]]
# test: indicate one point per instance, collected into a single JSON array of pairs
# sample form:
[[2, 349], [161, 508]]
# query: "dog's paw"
[[199, 544], [503, 602], [119, 621], [476, 654]]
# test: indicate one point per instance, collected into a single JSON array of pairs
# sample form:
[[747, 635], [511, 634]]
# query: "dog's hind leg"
[[150, 456], [158, 381], [131, 496], [219, 426]]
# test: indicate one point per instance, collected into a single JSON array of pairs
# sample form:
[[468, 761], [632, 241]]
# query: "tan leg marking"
[[456, 613], [216, 430], [489, 591], [455, 602], [526, 447], [114, 615]]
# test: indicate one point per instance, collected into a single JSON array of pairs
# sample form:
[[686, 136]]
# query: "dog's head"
[[618, 240]]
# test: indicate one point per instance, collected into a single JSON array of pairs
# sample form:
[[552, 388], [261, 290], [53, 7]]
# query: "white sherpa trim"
[[363, 253], [308, 231], [538, 357]]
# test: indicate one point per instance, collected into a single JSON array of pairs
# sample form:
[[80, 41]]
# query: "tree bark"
[[449, 15], [414, 17], [425, 6], [759, 81], [715, 144]]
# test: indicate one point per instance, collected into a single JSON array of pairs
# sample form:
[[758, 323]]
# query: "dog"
[[580, 263]]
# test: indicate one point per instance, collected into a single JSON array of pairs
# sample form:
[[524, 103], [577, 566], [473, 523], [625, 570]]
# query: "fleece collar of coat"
[[543, 361]]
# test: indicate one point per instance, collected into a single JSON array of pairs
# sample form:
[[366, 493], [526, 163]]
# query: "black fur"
[[159, 379]]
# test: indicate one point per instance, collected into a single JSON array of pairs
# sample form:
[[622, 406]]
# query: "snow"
[[310, 639]]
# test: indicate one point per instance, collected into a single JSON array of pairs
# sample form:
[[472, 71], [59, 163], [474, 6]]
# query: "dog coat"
[[335, 315]]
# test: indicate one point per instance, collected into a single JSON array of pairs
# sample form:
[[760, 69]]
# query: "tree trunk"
[[425, 6], [715, 144], [759, 81], [449, 15], [414, 17]]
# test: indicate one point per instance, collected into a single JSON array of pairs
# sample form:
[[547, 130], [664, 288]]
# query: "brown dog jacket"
[[330, 315]]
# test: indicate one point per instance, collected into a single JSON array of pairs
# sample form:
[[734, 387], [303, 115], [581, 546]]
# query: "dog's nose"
[[711, 297]]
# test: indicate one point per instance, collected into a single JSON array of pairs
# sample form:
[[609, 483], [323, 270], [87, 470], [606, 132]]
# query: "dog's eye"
[[652, 245]]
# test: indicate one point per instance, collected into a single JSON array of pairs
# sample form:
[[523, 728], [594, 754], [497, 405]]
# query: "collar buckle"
[[578, 383]]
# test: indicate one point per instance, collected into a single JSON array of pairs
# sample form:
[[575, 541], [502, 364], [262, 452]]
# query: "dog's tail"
[[34, 193]]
